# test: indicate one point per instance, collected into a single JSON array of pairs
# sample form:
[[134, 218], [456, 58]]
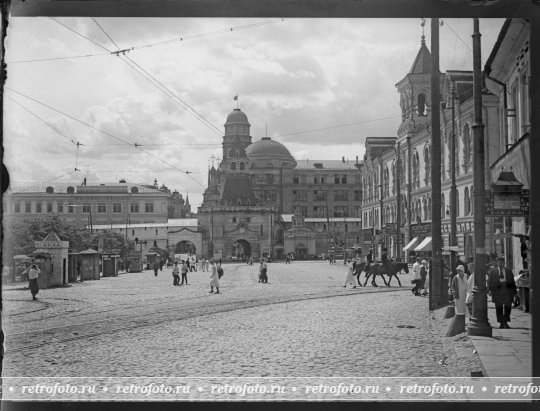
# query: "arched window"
[[393, 179], [443, 206], [134, 190], [429, 209], [425, 204], [386, 182], [241, 165], [422, 106], [427, 162], [443, 162], [467, 148], [233, 166], [239, 201], [416, 170], [466, 202]]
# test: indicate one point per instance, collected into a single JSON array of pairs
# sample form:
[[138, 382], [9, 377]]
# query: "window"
[[319, 195], [443, 206], [422, 106], [315, 180], [343, 179], [101, 208], [341, 211], [134, 207], [300, 195], [233, 166], [466, 202], [269, 195], [416, 170], [17, 207], [242, 166], [71, 209], [269, 179], [248, 219], [117, 207], [60, 207], [86, 208], [336, 179], [49, 207], [467, 148], [341, 195], [295, 180], [427, 162], [323, 180], [149, 207], [357, 195], [319, 211]]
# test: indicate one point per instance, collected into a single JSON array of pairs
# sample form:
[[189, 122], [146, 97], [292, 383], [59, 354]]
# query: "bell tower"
[[235, 142]]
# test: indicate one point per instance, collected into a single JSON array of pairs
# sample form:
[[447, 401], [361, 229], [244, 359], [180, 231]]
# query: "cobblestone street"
[[302, 323]]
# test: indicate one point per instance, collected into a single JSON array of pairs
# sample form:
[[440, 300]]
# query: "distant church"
[[248, 206]]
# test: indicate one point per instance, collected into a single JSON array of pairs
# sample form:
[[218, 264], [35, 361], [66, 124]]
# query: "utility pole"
[[453, 189], [479, 323], [436, 294], [398, 205]]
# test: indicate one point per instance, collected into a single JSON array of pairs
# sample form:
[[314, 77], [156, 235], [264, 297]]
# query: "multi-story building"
[[507, 73], [397, 176], [259, 186]]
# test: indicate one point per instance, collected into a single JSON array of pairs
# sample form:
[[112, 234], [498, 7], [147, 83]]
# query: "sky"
[[319, 86]]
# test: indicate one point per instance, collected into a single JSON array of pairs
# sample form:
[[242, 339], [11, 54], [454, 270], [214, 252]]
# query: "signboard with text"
[[422, 229], [507, 204]]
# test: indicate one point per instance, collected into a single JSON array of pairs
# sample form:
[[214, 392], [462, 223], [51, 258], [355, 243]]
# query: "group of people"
[[500, 284], [420, 270], [216, 270]]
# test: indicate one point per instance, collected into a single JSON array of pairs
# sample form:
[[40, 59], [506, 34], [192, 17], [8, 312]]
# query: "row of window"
[[86, 208], [322, 211], [321, 195], [337, 179]]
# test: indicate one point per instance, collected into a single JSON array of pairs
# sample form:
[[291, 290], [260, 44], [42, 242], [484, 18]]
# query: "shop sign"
[[422, 229], [390, 229], [507, 204]]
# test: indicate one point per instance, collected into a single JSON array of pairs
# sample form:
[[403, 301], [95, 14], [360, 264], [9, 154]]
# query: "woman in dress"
[[459, 290], [214, 279], [349, 279]]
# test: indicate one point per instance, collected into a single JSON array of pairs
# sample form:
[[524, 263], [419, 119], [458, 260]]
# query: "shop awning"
[[413, 242], [424, 245]]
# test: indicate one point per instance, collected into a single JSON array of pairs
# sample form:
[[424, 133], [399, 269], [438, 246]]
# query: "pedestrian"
[[187, 262], [417, 279], [458, 288], [161, 264], [220, 261], [175, 273], [263, 270], [470, 285], [155, 266], [193, 265], [184, 270], [288, 259], [349, 277], [214, 278], [459, 261], [33, 284], [423, 276], [502, 286], [207, 265]]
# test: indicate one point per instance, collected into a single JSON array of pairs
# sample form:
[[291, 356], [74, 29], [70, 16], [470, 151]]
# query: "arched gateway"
[[241, 250], [185, 247]]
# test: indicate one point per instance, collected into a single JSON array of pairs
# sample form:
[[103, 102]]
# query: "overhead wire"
[[148, 45], [135, 145]]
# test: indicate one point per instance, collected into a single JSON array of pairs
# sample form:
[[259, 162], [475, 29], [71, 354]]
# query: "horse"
[[359, 267], [394, 268], [374, 270]]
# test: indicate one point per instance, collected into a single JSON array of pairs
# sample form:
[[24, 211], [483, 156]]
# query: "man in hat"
[[458, 288], [502, 286]]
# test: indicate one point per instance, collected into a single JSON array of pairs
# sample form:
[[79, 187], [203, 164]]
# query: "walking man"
[[175, 273], [185, 269], [33, 284], [502, 286], [155, 266], [214, 278]]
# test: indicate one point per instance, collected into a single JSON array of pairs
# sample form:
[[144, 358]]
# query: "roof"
[[237, 116], [266, 147], [326, 164], [237, 187], [173, 222], [378, 145], [61, 188], [422, 62], [287, 218], [52, 237]]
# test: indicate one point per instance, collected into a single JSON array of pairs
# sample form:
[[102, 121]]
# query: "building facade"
[[259, 185], [396, 178]]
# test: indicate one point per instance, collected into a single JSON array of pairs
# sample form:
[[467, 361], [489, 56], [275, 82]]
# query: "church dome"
[[237, 116], [269, 153]]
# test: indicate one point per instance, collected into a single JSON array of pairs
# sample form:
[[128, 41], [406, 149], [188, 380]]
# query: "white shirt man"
[[416, 268]]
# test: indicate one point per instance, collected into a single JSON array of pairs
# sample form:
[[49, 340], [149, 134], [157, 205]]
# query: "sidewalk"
[[508, 353]]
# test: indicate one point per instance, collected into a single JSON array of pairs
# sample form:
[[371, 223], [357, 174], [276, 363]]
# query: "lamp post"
[[479, 323]]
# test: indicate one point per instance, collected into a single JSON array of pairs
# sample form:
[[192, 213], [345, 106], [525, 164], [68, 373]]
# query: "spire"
[[422, 62], [187, 199]]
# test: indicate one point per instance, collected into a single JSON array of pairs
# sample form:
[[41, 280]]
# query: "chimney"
[[343, 158], [84, 182], [356, 159]]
